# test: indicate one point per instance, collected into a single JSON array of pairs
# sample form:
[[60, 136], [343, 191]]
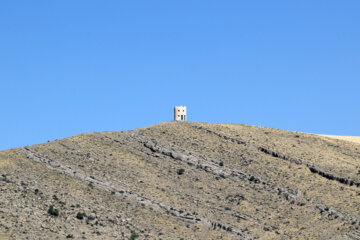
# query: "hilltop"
[[182, 180], [345, 138]]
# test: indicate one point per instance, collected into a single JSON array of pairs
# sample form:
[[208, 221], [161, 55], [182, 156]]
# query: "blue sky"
[[68, 67]]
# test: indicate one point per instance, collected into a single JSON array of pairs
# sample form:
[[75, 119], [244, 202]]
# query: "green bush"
[[133, 236], [53, 211], [80, 215], [180, 171]]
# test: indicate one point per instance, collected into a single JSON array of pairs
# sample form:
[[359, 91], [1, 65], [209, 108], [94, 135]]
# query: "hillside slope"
[[183, 180], [346, 138]]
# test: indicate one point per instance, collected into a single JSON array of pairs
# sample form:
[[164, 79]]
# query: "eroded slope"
[[236, 182]]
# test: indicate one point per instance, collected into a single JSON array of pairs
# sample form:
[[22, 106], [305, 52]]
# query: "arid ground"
[[346, 138], [183, 180]]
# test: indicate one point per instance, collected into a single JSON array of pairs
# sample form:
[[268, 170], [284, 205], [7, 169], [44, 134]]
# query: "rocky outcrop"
[[211, 166], [181, 180], [151, 203], [312, 168]]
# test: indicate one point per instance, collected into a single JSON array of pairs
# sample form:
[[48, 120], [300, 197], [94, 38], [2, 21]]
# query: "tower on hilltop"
[[180, 113]]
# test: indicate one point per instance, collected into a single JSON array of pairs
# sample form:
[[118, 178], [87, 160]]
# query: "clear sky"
[[68, 67]]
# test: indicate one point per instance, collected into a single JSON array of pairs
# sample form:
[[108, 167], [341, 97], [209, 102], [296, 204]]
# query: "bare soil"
[[183, 180]]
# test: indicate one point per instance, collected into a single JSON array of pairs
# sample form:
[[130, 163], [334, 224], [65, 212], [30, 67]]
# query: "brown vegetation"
[[182, 180]]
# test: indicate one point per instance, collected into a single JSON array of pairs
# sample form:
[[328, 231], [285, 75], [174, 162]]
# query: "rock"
[[91, 216]]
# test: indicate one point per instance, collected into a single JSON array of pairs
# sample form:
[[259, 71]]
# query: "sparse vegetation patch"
[[180, 171], [53, 211]]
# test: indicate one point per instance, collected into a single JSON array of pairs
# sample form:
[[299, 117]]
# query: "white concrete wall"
[[178, 112]]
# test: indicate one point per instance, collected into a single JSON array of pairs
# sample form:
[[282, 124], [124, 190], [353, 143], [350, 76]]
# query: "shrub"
[[53, 211], [80, 215], [180, 171], [221, 164], [133, 236]]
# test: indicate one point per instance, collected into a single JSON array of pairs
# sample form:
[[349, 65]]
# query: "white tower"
[[180, 113]]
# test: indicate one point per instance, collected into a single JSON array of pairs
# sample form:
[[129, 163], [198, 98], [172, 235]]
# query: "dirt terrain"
[[182, 180], [346, 138]]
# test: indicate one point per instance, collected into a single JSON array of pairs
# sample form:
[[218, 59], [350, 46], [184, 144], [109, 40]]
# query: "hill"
[[345, 138], [182, 180]]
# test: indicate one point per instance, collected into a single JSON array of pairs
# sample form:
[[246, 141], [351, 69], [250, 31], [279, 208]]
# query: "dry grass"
[[344, 138], [308, 206], [4, 236]]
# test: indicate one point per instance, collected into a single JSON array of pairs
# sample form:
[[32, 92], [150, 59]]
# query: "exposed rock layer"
[[182, 180]]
